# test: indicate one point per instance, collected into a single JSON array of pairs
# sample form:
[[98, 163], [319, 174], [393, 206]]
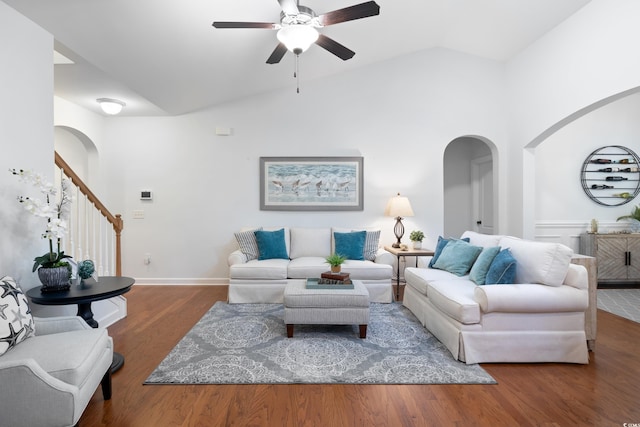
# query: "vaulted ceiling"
[[163, 57]]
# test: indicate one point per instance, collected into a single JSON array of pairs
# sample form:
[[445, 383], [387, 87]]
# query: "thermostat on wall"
[[146, 195]]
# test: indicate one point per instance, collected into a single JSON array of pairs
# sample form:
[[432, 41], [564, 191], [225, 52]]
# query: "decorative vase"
[[336, 268], [54, 279], [417, 245]]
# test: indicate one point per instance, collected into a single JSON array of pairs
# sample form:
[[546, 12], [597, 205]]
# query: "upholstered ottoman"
[[304, 306]]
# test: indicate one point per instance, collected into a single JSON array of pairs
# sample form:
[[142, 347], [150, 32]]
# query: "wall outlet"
[[147, 259], [138, 214]]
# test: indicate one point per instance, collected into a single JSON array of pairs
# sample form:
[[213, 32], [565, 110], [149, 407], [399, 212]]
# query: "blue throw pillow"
[[271, 244], [502, 270], [442, 242], [351, 244], [457, 257], [478, 273]]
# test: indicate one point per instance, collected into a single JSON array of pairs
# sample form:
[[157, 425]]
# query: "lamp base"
[[398, 230]]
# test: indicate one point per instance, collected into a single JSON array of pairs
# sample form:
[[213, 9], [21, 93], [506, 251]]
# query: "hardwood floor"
[[603, 393]]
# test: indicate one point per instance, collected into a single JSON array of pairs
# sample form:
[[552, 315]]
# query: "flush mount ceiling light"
[[110, 106]]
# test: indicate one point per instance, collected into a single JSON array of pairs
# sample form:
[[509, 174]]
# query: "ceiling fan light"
[[297, 38], [110, 106]]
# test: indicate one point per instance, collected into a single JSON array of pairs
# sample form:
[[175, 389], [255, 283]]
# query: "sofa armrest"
[[577, 276], [384, 257], [530, 298], [56, 325], [236, 257]]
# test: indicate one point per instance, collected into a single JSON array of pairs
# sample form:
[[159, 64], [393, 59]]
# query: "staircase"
[[94, 233]]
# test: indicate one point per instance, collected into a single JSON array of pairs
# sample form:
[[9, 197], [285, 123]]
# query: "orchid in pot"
[[54, 272]]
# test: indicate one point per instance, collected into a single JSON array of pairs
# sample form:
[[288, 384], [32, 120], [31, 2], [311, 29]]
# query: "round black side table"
[[83, 295]]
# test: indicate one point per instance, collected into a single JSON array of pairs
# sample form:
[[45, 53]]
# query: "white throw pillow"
[[310, 242], [539, 262], [479, 239], [16, 322]]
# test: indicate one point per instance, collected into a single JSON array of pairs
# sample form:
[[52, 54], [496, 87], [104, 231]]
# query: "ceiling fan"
[[297, 29]]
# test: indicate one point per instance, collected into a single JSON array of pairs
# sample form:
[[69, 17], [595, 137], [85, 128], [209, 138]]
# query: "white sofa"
[[538, 318], [263, 281]]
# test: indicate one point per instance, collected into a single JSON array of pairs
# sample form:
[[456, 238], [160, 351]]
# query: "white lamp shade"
[[111, 106], [297, 37], [398, 206]]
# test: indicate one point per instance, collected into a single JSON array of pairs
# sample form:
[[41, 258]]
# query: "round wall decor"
[[611, 176]]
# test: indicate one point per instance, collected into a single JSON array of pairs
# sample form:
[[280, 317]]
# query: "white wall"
[[26, 137], [398, 115], [76, 125]]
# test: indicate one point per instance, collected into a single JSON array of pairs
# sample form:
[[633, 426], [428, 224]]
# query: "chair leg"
[[106, 385]]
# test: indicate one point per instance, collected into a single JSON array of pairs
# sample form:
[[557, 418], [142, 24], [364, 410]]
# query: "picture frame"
[[311, 183]]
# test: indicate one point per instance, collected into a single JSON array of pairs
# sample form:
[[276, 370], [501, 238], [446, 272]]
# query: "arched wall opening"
[[557, 208], [470, 186], [79, 151]]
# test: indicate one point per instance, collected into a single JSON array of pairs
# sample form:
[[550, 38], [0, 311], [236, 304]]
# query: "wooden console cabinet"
[[617, 256]]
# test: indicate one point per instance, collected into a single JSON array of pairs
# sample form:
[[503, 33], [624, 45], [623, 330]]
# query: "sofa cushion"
[[271, 244], [350, 244], [479, 239], [442, 242], [255, 269], [367, 270], [478, 272], [419, 278], [457, 257], [539, 262], [16, 322], [310, 242], [455, 299], [503, 269], [306, 267], [247, 243], [68, 356]]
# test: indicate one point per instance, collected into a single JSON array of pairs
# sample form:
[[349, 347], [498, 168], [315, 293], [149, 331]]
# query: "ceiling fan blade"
[[289, 7], [277, 54], [362, 10], [266, 25], [334, 47]]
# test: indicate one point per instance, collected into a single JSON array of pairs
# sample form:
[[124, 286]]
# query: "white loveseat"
[[263, 281], [540, 317]]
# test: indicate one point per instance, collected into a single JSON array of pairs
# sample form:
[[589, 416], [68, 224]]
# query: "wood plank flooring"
[[606, 392]]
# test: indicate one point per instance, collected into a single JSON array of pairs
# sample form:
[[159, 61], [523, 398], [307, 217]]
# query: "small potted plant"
[[634, 219], [335, 261], [416, 237]]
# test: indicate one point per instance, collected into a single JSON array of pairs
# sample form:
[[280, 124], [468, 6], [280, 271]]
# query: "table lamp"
[[398, 207]]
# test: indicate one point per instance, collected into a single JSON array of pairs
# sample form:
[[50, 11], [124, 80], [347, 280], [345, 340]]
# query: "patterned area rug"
[[623, 302], [248, 344]]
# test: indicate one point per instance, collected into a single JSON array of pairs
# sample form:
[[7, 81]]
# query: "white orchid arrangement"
[[54, 208]]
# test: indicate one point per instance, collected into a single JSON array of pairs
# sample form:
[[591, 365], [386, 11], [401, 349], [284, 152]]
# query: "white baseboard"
[[108, 312], [172, 281]]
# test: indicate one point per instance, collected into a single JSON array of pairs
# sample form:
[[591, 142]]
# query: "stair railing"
[[94, 233]]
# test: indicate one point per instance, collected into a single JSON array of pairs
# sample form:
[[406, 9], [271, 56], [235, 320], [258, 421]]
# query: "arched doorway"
[[469, 186], [79, 152]]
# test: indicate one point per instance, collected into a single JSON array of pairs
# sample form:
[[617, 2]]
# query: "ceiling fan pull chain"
[[296, 74]]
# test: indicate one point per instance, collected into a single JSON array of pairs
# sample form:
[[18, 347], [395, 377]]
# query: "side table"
[[83, 295], [405, 253]]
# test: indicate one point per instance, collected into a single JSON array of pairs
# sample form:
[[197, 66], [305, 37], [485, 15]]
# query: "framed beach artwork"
[[311, 183]]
